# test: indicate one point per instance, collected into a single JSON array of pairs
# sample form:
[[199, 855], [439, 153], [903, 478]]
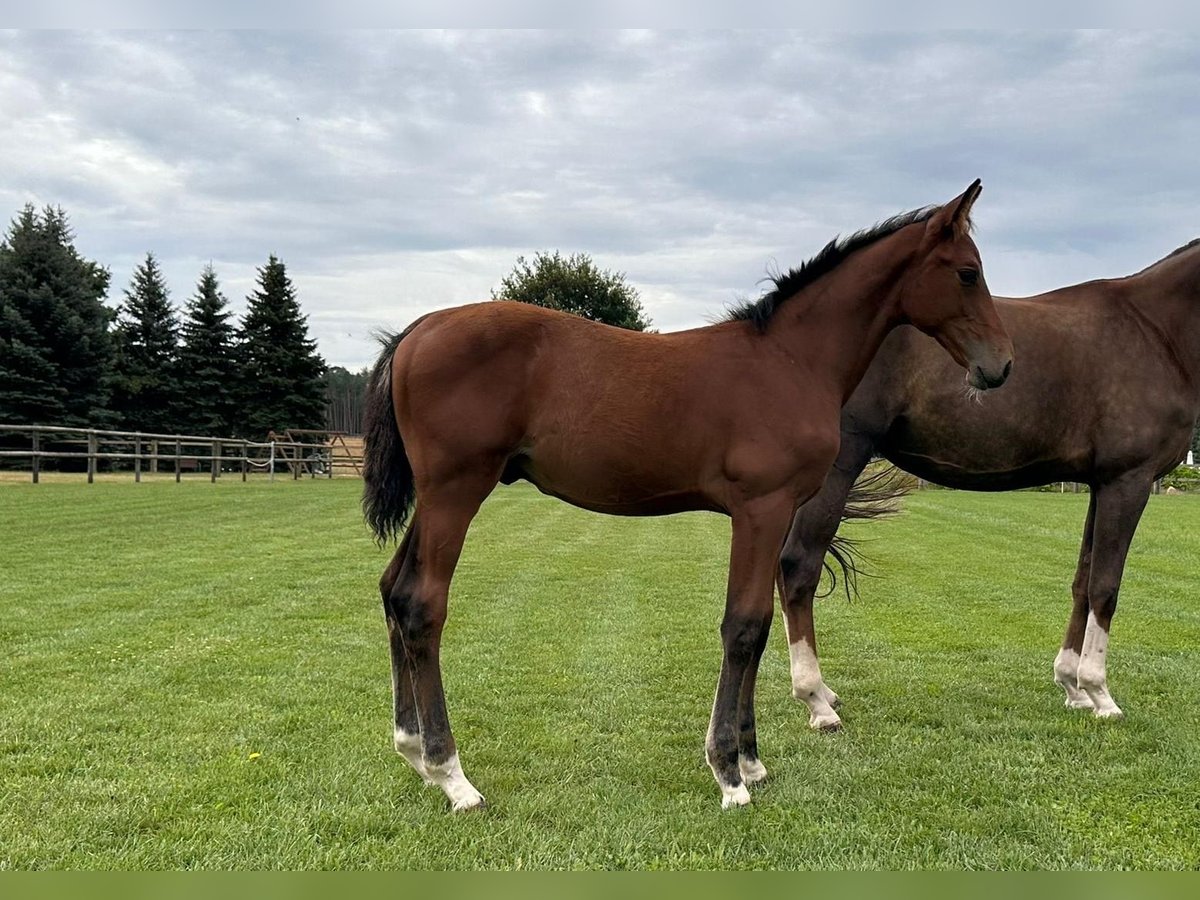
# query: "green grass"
[[197, 676]]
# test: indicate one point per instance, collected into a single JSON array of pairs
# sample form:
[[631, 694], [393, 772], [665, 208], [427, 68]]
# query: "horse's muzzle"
[[985, 379]]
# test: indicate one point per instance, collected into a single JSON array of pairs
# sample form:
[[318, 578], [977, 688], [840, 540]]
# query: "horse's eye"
[[969, 277]]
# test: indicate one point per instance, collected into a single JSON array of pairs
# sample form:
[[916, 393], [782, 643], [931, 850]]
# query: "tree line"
[[68, 359]]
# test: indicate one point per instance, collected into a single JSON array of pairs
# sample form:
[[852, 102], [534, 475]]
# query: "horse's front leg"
[[731, 747], [800, 565]]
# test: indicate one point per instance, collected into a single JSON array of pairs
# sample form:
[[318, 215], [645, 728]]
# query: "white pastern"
[[1066, 674], [1092, 676], [734, 796], [409, 746], [450, 778], [753, 771], [808, 686], [829, 696]]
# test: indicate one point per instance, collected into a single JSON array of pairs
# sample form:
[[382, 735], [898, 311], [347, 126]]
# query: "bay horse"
[[1107, 394], [740, 417]]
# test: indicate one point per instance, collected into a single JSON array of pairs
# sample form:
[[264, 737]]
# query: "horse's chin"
[[971, 391]]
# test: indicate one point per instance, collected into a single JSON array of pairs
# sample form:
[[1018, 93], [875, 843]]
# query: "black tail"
[[874, 496], [388, 490]]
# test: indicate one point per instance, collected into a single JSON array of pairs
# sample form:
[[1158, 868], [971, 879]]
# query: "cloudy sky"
[[398, 172]]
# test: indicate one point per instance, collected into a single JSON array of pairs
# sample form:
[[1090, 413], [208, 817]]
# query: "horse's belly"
[[625, 485]]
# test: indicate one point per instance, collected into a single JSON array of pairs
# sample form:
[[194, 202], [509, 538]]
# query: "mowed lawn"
[[196, 675]]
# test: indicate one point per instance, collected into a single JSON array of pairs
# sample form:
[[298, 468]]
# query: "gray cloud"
[[395, 172]]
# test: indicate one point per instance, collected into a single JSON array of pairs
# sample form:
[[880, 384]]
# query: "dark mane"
[[788, 284], [1178, 250]]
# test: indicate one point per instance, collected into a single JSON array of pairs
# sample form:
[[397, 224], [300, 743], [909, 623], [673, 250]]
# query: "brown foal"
[[739, 417]]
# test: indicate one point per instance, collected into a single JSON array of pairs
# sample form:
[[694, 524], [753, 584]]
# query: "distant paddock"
[[26, 452]]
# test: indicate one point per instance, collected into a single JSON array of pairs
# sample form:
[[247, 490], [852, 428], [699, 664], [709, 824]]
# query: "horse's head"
[[947, 297]]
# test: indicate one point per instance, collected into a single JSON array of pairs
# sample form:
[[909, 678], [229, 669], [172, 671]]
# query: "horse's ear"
[[954, 219]]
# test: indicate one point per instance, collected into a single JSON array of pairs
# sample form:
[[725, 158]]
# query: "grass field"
[[197, 676]]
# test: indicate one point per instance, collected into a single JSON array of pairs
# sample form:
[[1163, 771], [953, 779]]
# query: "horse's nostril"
[[1007, 369]]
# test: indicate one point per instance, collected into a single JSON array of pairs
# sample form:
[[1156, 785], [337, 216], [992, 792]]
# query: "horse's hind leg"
[[444, 515], [1066, 663], [1119, 506], [407, 729]]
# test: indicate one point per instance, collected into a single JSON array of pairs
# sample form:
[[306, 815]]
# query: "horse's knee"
[[743, 635], [801, 575]]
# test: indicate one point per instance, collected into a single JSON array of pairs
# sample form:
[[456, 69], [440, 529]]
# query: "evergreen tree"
[[55, 352], [206, 361], [345, 397], [284, 384], [146, 394], [575, 285]]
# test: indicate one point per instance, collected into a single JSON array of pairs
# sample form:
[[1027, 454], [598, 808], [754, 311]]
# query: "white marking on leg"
[[1092, 676], [450, 778], [807, 685], [731, 794], [1066, 675], [734, 796], [409, 746], [753, 771], [828, 695]]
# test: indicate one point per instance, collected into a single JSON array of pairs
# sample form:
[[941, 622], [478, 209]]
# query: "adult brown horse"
[[1107, 394], [739, 417]]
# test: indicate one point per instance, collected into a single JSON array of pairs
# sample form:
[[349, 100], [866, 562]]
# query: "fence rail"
[[150, 452]]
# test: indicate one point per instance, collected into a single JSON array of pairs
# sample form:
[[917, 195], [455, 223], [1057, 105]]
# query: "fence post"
[[178, 450], [91, 456], [271, 464], [137, 459], [37, 458], [216, 461], [154, 457], [245, 453]]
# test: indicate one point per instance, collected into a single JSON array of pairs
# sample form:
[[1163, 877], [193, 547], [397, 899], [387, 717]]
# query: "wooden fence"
[[154, 453]]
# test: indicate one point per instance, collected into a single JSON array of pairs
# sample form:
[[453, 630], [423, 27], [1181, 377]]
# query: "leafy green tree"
[[146, 390], [283, 374], [574, 284], [55, 350], [207, 361]]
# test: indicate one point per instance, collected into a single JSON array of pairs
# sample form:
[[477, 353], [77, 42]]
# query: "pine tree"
[[146, 393], [55, 351], [283, 375], [207, 362], [345, 397]]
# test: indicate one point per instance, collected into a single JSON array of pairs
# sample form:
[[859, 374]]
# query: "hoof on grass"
[[734, 797], [753, 771]]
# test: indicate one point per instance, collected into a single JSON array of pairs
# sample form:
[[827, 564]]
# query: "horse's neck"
[[840, 321]]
